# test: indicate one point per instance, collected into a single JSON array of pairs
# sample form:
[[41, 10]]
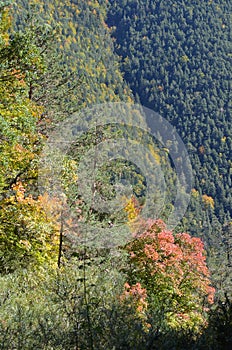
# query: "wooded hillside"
[[157, 288]]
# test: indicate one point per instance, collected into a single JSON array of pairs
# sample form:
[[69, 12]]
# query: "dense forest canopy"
[[161, 288], [177, 59]]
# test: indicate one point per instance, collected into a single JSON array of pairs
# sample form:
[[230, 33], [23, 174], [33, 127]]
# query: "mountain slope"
[[177, 59], [85, 45]]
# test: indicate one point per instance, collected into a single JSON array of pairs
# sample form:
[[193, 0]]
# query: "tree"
[[173, 272], [27, 232]]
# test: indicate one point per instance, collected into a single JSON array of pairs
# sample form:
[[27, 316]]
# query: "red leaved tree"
[[171, 269]]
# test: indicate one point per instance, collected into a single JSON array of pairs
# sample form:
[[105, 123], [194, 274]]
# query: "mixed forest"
[[163, 288]]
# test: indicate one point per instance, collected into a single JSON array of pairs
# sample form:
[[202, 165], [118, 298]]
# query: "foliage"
[[75, 308], [218, 334], [176, 58], [29, 231], [58, 59], [86, 53], [173, 271]]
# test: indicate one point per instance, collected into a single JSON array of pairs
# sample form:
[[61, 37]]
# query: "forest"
[[88, 257]]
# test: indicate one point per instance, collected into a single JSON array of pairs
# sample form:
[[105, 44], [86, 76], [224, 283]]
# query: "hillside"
[[93, 251], [84, 44], [177, 58]]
